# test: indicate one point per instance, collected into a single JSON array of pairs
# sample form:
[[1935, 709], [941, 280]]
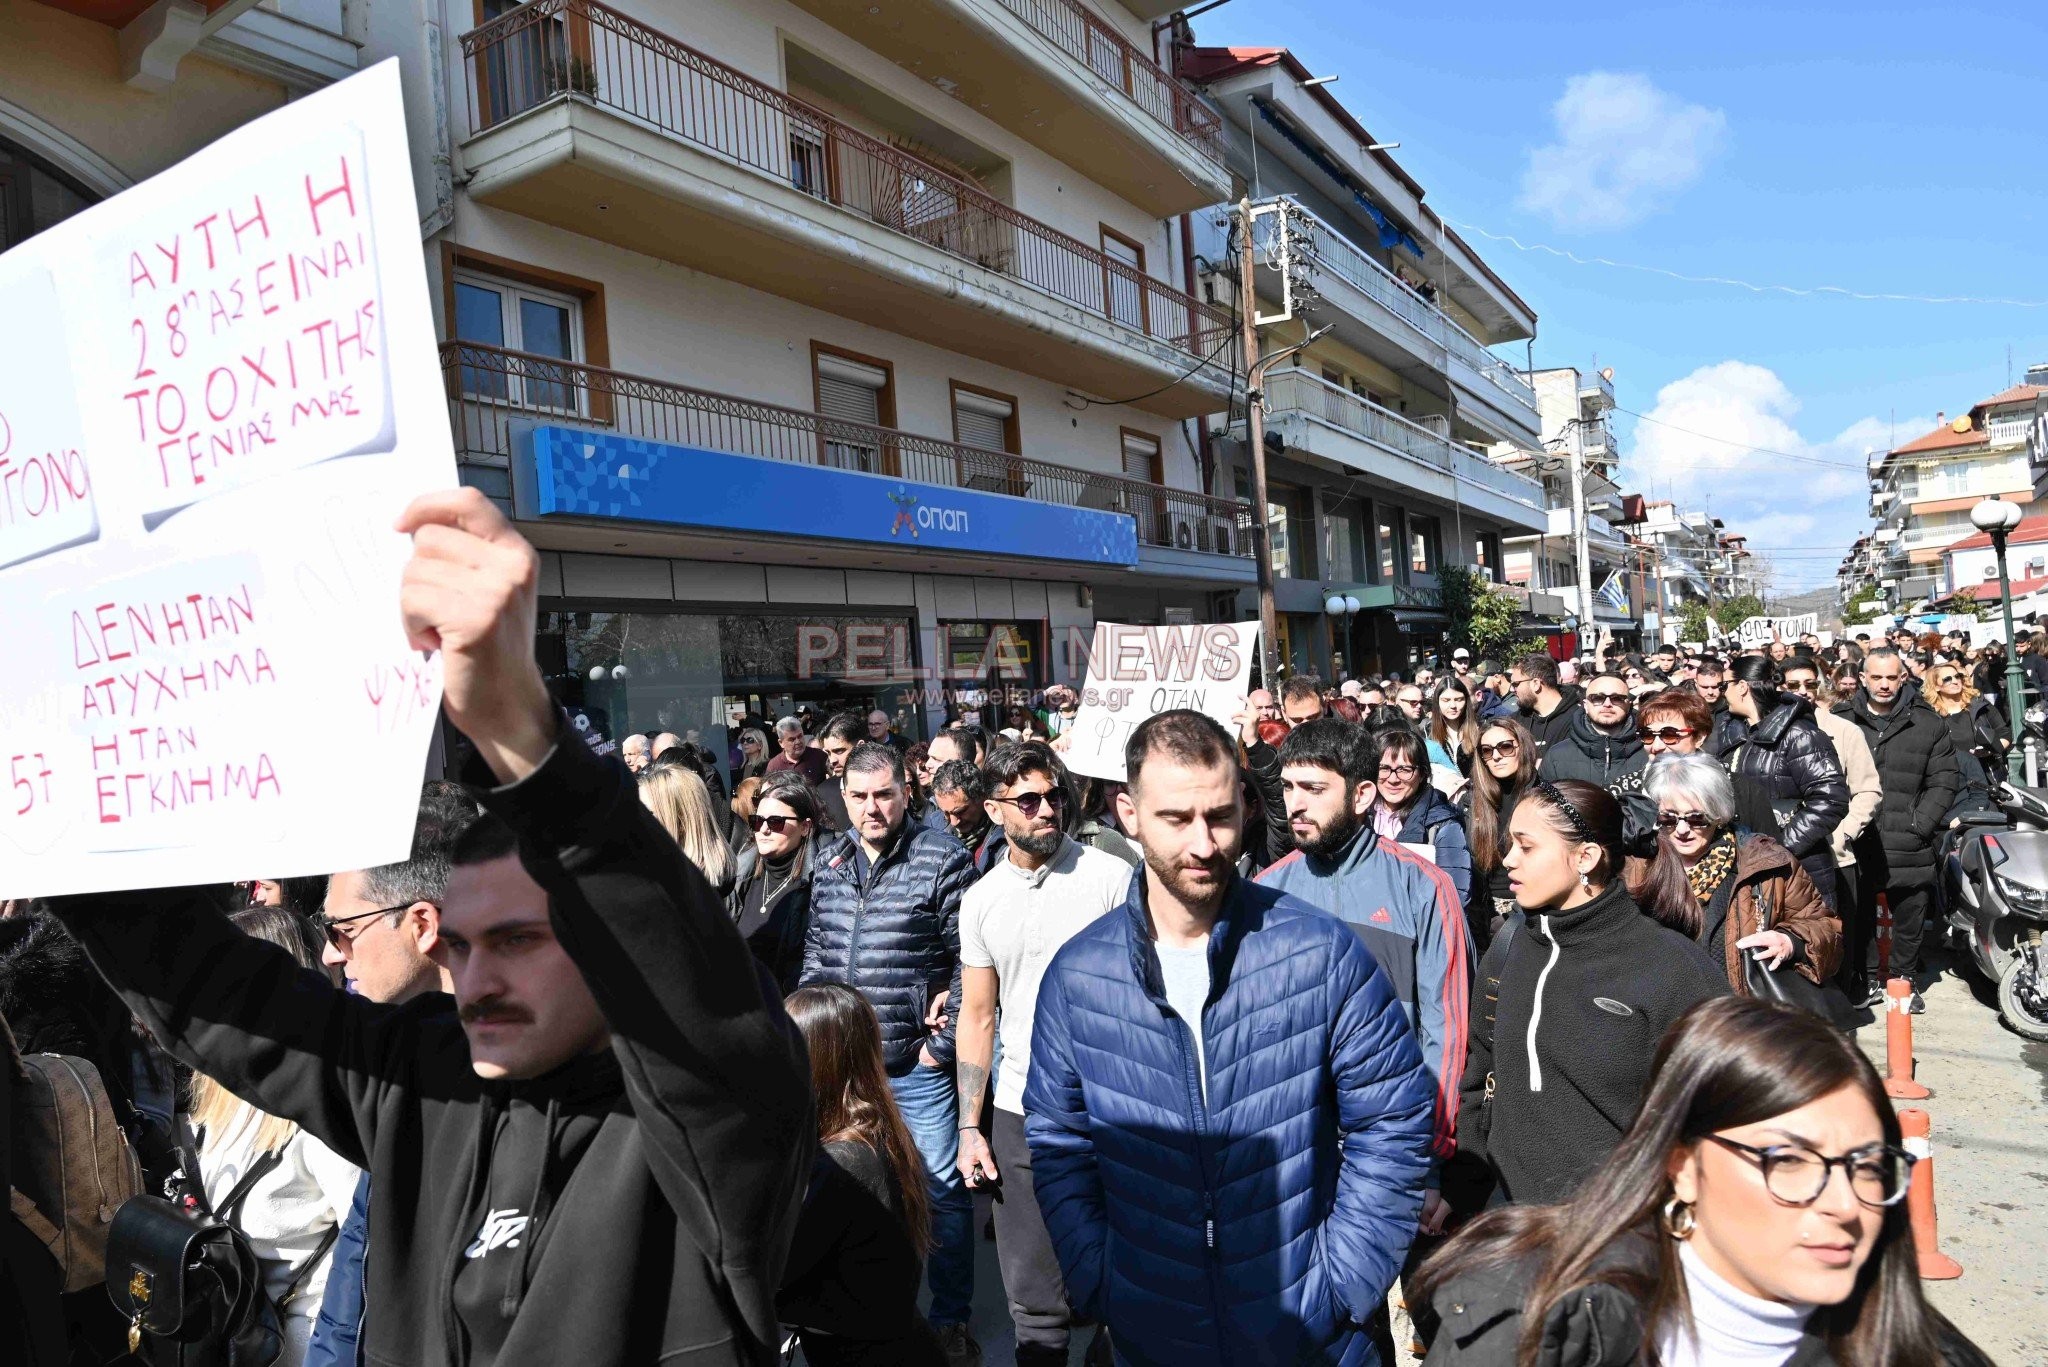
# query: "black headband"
[[1552, 795]]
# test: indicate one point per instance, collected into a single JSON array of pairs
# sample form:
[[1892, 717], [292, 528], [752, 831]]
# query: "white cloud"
[[1701, 449], [1624, 150]]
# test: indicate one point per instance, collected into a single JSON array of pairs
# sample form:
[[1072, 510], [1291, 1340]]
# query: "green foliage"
[[1865, 606], [1733, 612], [1483, 618], [1695, 623]]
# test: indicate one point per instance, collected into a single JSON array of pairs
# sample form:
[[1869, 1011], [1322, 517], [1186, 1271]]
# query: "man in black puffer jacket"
[[885, 920], [1601, 747], [1916, 761]]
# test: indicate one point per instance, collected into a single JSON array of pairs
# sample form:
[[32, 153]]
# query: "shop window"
[[854, 389], [991, 669], [34, 196], [1423, 547]]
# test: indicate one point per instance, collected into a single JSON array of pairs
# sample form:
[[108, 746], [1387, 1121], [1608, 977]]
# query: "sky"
[[1877, 149]]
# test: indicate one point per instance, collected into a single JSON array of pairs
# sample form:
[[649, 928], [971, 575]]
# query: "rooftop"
[[2030, 530]]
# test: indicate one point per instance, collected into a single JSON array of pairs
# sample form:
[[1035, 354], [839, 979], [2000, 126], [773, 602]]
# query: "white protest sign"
[[217, 391], [1757, 630], [1135, 673]]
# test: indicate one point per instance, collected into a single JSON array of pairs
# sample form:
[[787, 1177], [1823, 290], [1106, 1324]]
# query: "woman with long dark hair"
[[1753, 1213], [1582, 985], [1504, 765], [855, 1263], [770, 899]]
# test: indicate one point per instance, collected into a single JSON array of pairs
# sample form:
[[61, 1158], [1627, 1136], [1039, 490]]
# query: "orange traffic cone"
[[1898, 1044], [1884, 937], [1935, 1266]]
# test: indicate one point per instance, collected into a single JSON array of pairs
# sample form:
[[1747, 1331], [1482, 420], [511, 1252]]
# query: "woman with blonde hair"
[[285, 1191], [1975, 725], [682, 804]]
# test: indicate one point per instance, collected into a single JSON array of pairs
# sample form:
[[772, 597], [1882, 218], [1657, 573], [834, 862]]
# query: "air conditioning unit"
[[1223, 535], [1184, 533]]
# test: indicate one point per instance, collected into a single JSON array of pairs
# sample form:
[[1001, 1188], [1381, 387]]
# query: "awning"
[[1392, 234]]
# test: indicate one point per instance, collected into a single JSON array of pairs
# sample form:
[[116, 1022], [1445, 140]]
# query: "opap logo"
[[914, 513]]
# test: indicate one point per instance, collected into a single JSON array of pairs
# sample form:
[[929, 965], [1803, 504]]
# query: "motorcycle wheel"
[[2023, 997]]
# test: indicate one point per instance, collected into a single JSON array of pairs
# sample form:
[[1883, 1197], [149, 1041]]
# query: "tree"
[[1483, 617], [1731, 613], [1695, 623], [1865, 606]]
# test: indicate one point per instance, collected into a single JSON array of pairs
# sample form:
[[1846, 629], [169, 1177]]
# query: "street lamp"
[[1344, 607], [1998, 517]]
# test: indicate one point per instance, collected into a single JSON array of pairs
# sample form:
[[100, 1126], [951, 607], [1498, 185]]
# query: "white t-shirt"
[[1014, 922], [285, 1213]]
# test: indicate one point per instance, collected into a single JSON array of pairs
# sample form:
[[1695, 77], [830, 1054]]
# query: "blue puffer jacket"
[[1265, 1225], [893, 936]]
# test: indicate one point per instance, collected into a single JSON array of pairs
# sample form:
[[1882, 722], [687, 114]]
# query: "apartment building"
[[1379, 434], [1921, 492]]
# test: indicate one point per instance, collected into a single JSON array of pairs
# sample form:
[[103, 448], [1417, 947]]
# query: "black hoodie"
[[664, 1172], [1586, 753]]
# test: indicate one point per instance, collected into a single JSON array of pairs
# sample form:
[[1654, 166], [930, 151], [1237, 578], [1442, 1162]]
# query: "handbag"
[[182, 1274], [1785, 984]]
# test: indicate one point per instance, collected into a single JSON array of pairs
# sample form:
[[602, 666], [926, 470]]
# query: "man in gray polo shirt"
[[1043, 890]]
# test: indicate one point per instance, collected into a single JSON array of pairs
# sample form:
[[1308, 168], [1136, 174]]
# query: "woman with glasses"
[[1976, 726], [771, 897], [1753, 1213], [1574, 993], [1453, 731], [1505, 766], [1771, 738], [1726, 889], [1411, 810]]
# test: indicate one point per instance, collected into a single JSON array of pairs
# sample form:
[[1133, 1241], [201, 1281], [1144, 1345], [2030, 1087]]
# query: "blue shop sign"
[[572, 472]]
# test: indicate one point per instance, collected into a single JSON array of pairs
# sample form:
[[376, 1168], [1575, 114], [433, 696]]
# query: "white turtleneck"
[[1730, 1328]]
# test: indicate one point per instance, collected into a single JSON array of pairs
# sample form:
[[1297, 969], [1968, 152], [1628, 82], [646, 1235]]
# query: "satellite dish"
[[1607, 374], [1960, 425]]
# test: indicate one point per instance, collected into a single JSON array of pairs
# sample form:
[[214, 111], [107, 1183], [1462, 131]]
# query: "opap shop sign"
[[1137, 672]]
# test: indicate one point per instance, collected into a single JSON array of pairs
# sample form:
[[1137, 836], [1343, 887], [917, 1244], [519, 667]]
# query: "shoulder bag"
[[1785, 984]]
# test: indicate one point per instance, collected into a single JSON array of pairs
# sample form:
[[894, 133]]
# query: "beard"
[[1040, 844], [1332, 837], [1192, 894]]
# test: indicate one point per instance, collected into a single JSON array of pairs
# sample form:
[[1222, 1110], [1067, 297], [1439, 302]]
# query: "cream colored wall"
[[67, 71]]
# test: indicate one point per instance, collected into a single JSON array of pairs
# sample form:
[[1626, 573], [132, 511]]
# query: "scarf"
[[1706, 877]]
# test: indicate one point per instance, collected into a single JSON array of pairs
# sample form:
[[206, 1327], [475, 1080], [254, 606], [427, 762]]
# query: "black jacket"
[[1612, 979], [893, 936], [1979, 735], [774, 929], [673, 1160], [853, 1271], [1270, 836], [1916, 762], [1585, 752], [1796, 763], [1550, 729]]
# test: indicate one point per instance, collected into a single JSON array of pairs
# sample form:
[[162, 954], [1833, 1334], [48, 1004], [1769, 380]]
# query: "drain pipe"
[[443, 212]]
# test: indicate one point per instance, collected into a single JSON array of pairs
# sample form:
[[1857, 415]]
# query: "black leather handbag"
[[1785, 984], [187, 1281]]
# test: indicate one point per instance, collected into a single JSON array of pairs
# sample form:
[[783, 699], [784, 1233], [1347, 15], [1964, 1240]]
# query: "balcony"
[[1596, 391], [1064, 80], [490, 388], [1382, 317], [587, 119], [1316, 416]]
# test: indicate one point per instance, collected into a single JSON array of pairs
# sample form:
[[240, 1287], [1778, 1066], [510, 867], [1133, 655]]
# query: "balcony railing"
[[1089, 40], [1342, 257], [581, 49], [489, 387], [1299, 391]]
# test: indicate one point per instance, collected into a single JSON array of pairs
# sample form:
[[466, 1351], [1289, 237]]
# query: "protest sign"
[[1138, 672], [217, 391], [1757, 630]]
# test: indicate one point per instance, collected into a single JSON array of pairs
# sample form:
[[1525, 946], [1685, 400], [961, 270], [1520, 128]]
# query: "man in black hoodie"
[[1546, 708], [594, 1153]]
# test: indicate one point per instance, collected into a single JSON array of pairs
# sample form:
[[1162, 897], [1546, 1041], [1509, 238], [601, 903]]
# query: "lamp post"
[[1998, 517], [1344, 608]]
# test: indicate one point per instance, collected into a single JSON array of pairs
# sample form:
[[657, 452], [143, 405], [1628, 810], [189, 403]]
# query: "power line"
[[1795, 290], [1744, 446]]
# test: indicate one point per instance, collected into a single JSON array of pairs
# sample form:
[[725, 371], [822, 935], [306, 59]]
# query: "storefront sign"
[[1135, 673], [573, 472], [217, 391]]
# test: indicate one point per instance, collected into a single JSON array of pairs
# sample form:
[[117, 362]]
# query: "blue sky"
[[1879, 148]]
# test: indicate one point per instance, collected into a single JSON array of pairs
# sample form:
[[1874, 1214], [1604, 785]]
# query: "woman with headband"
[[1579, 987]]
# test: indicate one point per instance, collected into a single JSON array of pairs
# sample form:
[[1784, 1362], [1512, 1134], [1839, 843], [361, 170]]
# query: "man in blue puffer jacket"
[[1228, 1116]]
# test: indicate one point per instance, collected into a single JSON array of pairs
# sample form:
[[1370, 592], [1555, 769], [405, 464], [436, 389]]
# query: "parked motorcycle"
[[1993, 897]]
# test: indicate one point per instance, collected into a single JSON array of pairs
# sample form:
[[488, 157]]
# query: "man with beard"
[[1403, 907], [1045, 889], [1228, 1118]]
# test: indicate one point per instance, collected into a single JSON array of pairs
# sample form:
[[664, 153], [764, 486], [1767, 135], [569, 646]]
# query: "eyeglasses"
[[1398, 771], [772, 824], [1803, 685], [1674, 821], [330, 926], [1029, 803], [1609, 699], [1879, 1175], [1663, 735], [1948, 679], [1500, 749], [1633, 674]]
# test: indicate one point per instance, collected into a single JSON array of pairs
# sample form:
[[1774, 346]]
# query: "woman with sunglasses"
[[1717, 884], [1753, 1213], [1577, 988], [771, 897], [1771, 738], [1976, 726], [1504, 767], [755, 752]]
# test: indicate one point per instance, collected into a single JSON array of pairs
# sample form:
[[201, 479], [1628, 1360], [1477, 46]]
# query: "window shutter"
[[982, 421], [1141, 459], [850, 392]]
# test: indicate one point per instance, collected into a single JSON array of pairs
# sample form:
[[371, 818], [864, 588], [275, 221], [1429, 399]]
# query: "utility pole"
[[1581, 553], [1255, 436]]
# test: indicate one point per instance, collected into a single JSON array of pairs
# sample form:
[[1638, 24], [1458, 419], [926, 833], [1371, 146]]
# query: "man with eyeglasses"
[[1601, 747], [1046, 888], [1410, 699]]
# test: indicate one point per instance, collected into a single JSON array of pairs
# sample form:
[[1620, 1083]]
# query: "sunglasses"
[[774, 825], [1409, 702], [1500, 749], [1029, 803], [1610, 699], [330, 926], [1948, 679], [1803, 685], [1663, 735], [1694, 821]]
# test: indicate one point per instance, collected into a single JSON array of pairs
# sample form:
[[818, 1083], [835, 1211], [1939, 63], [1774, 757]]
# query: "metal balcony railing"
[[1299, 391], [581, 49], [1089, 40], [489, 387]]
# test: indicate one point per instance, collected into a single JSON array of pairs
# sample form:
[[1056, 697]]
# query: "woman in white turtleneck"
[[1753, 1216]]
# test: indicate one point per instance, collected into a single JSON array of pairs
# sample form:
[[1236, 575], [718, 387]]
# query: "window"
[[1344, 539], [1141, 461], [1291, 525], [1387, 540], [531, 65], [33, 196], [853, 389], [521, 318], [984, 418], [1486, 554], [1123, 279], [1423, 547]]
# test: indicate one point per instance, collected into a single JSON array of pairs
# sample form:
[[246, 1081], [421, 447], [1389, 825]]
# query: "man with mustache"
[[1229, 1121]]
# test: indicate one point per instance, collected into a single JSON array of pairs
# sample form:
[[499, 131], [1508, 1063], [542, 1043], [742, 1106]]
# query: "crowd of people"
[[1514, 996]]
